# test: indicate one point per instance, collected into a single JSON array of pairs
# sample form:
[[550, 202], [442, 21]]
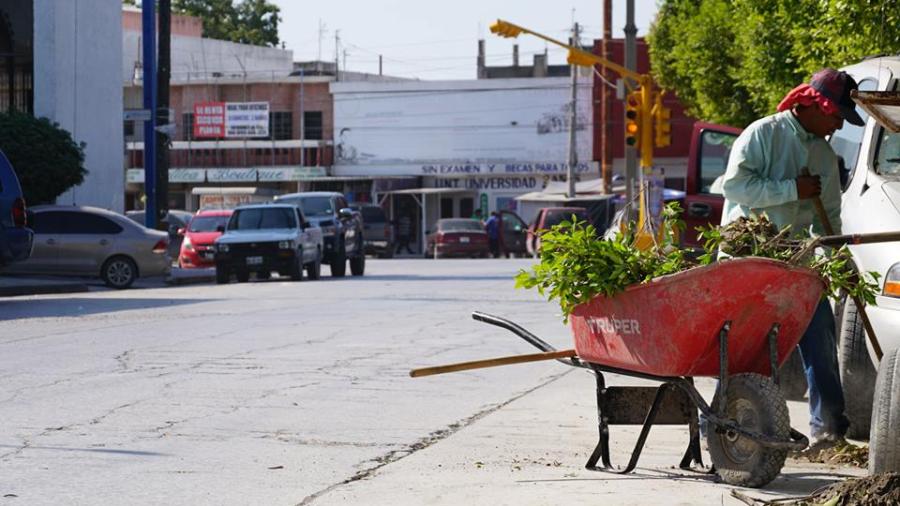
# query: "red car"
[[197, 249], [546, 218], [461, 237]]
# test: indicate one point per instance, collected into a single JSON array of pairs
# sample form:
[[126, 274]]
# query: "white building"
[[77, 52], [473, 144]]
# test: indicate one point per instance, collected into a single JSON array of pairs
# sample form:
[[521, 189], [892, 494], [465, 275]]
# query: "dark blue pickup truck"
[[15, 236]]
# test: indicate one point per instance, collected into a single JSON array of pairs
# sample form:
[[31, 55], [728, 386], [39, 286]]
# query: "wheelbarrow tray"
[[670, 326]]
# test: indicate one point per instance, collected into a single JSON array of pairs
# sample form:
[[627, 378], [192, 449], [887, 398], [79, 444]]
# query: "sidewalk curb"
[[190, 280]]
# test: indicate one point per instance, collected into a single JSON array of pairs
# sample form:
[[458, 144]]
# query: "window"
[[262, 218], [187, 126], [50, 222], [714, 150], [887, 158], [312, 125], [847, 141], [128, 129], [466, 206], [341, 203], [87, 223], [446, 207], [281, 126]]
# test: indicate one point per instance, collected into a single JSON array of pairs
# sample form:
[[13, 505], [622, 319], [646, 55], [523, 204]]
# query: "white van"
[[871, 203]]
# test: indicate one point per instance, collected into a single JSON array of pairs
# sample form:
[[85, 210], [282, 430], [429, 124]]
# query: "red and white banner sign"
[[209, 120]]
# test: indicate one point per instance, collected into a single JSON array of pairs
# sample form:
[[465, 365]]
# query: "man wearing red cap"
[[777, 166]]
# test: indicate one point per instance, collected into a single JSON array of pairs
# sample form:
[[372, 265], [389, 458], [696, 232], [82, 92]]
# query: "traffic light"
[[506, 29], [633, 119], [662, 125]]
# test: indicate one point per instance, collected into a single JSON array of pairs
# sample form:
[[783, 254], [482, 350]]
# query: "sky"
[[434, 40]]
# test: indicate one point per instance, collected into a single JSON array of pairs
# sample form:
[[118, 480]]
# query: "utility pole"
[[148, 26], [337, 55], [605, 102], [162, 85], [630, 64], [573, 118]]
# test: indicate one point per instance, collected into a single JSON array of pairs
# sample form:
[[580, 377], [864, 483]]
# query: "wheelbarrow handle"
[[492, 362], [875, 237]]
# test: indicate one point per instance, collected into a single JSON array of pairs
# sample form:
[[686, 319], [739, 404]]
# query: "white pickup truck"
[[266, 238]]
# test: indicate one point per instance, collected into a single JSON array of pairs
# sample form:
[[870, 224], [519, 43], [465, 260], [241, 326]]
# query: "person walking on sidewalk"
[[777, 166], [404, 233], [492, 227]]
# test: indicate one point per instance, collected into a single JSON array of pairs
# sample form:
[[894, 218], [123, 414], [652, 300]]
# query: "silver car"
[[87, 241]]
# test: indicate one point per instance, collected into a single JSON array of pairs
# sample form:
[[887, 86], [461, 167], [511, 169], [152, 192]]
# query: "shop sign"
[[489, 183], [475, 169], [187, 175], [209, 120], [289, 173], [247, 119], [230, 175]]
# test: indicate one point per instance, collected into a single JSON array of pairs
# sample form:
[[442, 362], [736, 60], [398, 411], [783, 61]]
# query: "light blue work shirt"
[[760, 178]]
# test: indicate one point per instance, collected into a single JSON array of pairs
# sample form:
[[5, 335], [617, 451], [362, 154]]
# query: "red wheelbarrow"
[[736, 320]]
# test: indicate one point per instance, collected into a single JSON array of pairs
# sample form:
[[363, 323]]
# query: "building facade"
[[61, 60]]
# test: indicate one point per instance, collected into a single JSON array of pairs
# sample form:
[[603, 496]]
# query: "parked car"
[[513, 234], [341, 227], [457, 237], [869, 158], [87, 241], [378, 234], [198, 238], [546, 218], [268, 237], [175, 220], [16, 238]]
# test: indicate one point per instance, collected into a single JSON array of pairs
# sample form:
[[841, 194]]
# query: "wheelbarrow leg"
[[602, 448], [692, 454]]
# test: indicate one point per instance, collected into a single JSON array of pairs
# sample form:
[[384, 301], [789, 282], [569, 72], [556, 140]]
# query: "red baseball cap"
[[836, 86]]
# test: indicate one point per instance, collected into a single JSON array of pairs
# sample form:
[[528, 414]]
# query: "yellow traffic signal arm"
[[576, 56]]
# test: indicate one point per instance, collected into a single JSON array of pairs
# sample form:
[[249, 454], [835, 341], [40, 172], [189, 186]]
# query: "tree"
[[247, 22], [46, 158], [732, 61]]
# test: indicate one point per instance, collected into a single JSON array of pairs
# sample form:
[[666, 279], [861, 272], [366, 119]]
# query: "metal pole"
[[606, 103], [162, 86], [302, 128], [573, 118], [148, 24], [630, 64]]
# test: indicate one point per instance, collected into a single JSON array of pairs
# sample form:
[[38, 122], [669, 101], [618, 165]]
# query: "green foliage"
[[732, 61], [247, 22], [577, 266], [46, 158]]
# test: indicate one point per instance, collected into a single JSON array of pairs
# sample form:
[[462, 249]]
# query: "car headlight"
[[892, 282], [186, 244], [286, 245], [222, 248]]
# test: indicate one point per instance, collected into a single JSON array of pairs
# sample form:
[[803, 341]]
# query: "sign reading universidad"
[[223, 120]]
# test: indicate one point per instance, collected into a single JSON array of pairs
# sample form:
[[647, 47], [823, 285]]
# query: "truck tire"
[[358, 263], [339, 262], [755, 402], [314, 268], [884, 442], [242, 276], [119, 272], [222, 275], [296, 271], [792, 377], [857, 371]]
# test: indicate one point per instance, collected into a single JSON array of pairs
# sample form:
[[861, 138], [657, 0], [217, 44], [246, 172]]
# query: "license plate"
[[464, 239], [254, 260], [208, 255]]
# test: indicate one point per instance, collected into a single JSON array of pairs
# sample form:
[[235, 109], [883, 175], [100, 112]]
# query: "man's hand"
[[808, 187]]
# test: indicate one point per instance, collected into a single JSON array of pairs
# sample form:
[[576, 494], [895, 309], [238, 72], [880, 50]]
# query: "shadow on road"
[[14, 309]]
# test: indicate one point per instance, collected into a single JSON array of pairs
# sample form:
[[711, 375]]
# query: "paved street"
[[282, 393], [259, 393]]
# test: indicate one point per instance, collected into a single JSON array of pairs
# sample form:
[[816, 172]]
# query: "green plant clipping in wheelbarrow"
[[576, 265]]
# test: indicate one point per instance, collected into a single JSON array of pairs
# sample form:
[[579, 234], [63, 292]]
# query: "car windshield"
[[557, 217], [316, 206], [207, 223], [262, 218], [460, 226]]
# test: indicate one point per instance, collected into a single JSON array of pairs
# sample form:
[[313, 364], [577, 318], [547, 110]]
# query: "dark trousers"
[[818, 349], [403, 242], [494, 245]]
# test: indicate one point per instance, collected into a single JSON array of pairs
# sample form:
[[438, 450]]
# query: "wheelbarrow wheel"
[[756, 404]]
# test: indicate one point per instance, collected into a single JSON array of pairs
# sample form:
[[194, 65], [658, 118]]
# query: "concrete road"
[[258, 393], [282, 393]]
